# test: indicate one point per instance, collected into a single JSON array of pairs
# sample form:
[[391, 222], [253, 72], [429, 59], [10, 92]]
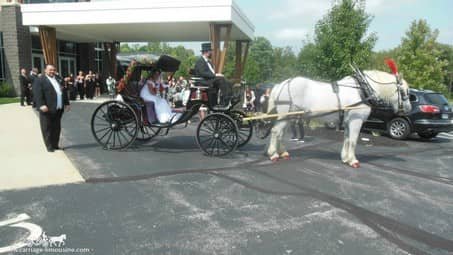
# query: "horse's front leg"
[[345, 149], [276, 148]]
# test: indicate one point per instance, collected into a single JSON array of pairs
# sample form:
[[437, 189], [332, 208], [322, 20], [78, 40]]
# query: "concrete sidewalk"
[[24, 160]]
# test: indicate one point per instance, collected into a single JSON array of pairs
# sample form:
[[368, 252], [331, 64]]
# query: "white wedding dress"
[[163, 110]]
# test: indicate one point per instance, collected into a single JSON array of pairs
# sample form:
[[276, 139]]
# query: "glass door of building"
[[67, 65], [38, 62]]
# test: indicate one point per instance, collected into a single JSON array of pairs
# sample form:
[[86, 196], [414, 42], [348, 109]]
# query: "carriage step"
[[161, 125]]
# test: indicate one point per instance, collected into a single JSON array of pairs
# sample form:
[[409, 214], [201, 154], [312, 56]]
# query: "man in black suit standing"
[[205, 69], [25, 87], [51, 101]]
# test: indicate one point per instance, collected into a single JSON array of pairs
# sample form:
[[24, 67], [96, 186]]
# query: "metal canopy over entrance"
[[143, 21]]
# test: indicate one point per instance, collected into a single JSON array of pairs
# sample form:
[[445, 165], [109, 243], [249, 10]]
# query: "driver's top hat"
[[205, 47]]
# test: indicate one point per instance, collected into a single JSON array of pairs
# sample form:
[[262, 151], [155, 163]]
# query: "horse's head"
[[391, 89]]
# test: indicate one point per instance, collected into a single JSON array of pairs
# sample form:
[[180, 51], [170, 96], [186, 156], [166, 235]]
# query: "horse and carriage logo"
[[48, 241], [36, 237]]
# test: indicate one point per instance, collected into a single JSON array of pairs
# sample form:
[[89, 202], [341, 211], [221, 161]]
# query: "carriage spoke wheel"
[[146, 133], [114, 125], [217, 134], [245, 129]]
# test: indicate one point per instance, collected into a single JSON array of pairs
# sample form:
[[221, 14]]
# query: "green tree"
[[419, 58], [446, 54], [340, 39], [307, 64], [377, 59], [259, 62], [230, 61], [284, 64], [125, 48], [186, 57]]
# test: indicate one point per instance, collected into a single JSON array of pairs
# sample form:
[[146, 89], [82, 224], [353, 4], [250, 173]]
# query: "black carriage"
[[116, 124]]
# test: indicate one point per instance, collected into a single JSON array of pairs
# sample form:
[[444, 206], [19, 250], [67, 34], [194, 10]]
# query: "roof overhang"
[[138, 21]]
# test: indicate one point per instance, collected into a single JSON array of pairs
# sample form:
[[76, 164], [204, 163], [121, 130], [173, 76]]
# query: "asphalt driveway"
[[166, 197]]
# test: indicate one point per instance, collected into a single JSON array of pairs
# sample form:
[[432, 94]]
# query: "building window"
[[65, 47], [2, 59], [99, 57]]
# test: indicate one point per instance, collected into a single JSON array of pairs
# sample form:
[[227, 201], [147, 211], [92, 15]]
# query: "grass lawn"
[[9, 100]]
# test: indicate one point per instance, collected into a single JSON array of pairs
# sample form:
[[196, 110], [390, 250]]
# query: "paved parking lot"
[[165, 197]]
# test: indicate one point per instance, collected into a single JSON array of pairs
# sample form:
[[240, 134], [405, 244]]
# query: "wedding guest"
[[80, 84], [25, 88], [90, 83]]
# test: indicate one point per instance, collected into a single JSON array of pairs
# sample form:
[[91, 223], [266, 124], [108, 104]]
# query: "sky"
[[291, 22]]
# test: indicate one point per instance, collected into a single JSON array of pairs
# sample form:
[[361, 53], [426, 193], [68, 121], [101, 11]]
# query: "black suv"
[[430, 115]]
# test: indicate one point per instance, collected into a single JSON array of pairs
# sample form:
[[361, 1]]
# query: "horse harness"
[[367, 94]]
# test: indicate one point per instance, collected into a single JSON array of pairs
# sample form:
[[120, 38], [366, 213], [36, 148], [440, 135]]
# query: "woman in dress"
[[249, 100], [80, 84], [151, 94], [90, 84]]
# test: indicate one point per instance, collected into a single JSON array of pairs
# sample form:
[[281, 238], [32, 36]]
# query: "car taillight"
[[429, 109]]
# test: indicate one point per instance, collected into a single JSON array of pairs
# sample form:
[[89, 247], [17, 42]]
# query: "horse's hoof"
[[355, 164], [274, 158], [285, 156]]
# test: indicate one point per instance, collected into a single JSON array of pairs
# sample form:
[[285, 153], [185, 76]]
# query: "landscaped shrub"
[[6, 90]]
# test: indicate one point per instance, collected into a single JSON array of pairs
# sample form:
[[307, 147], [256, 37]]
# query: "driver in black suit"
[[205, 69], [51, 100]]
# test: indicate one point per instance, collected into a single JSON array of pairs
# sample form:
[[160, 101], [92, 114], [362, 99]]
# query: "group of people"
[[84, 85], [50, 93], [26, 82]]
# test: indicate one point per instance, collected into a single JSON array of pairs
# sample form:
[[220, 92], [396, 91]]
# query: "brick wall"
[[17, 43]]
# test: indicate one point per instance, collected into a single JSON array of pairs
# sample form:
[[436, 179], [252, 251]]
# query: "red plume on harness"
[[392, 65]]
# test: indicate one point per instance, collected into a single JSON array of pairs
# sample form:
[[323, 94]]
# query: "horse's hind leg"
[[352, 130], [276, 148]]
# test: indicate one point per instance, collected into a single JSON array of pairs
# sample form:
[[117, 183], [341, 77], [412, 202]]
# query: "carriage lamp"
[[198, 94]]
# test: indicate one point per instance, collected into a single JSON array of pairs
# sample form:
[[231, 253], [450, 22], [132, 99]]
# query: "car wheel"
[[399, 128], [428, 135]]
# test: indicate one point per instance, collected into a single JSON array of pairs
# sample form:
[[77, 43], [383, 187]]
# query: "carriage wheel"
[[263, 128], [146, 133], [245, 129], [114, 125], [217, 134]]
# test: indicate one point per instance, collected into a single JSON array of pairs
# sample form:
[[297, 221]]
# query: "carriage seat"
[[132, 99], [197, 81]]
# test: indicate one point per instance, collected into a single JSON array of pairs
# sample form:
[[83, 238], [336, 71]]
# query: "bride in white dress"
[[151, 92]]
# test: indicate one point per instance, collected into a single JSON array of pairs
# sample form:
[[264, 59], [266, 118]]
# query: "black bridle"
[[403, 94], [370, 93]]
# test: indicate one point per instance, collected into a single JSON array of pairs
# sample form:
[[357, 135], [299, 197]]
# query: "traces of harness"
[[290, 101]]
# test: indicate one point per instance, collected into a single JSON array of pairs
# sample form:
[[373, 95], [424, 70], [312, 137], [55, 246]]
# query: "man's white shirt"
[[209, 64], [57, 88]]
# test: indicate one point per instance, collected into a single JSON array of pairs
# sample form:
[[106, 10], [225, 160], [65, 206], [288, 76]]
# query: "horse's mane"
[[384, 83]]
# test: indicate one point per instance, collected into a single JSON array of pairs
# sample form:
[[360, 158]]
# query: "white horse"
[[315, 97], [57, 241]]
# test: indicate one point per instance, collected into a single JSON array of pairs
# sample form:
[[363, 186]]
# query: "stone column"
[[17, 43]]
